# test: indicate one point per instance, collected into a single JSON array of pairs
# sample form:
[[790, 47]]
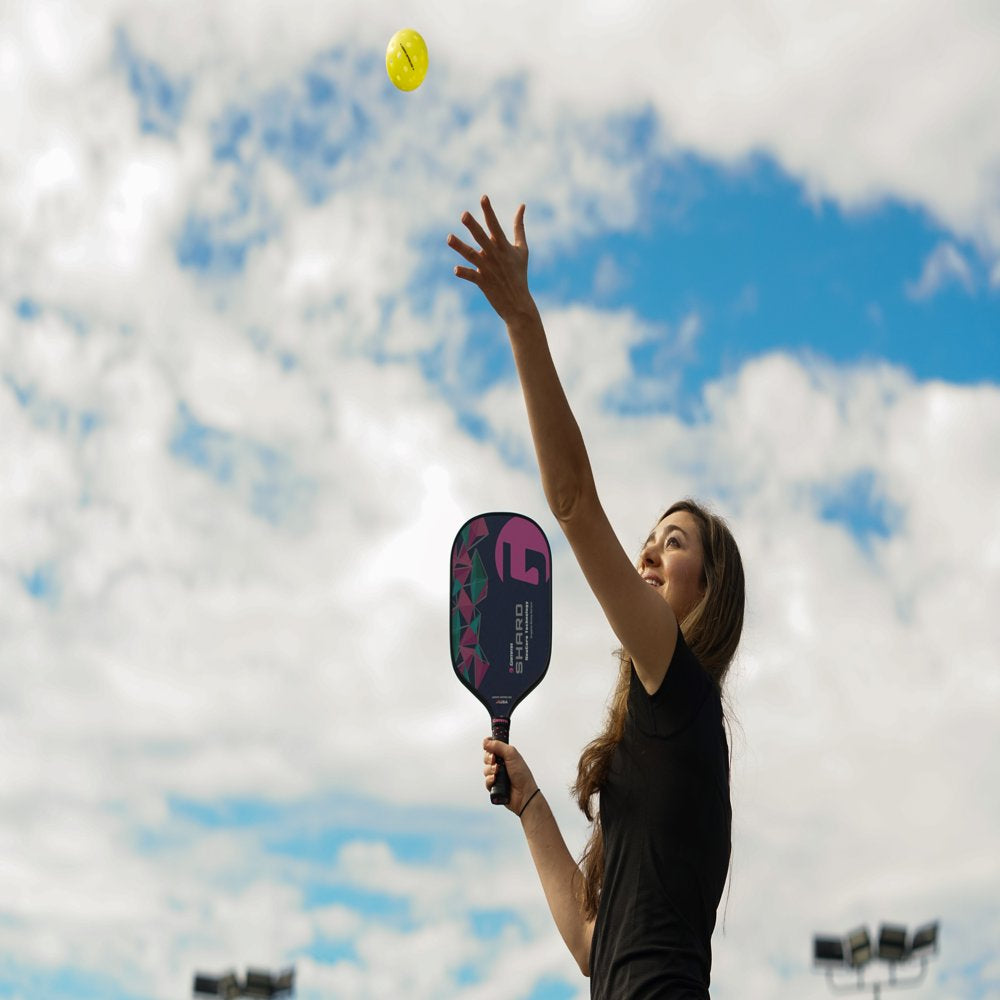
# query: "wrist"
[[528, 801], [524, 319]]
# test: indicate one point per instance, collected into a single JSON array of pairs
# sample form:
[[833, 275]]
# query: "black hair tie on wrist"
[[528, 803]]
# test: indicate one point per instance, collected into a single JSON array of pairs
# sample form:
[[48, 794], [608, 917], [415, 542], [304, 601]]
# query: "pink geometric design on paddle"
[[477, 530], [460, 557], [473, 667], [470, 576], [465, 606]]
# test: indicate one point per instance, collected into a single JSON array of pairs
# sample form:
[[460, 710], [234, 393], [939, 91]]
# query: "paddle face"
[[501, 613]]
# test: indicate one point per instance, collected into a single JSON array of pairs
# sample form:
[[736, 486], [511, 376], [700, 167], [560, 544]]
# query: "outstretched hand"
[[500, 267]]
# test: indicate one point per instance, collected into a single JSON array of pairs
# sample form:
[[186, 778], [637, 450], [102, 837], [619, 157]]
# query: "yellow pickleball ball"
[[406, 59]]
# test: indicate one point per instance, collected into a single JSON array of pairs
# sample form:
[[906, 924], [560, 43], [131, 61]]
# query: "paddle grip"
[[500, 792]]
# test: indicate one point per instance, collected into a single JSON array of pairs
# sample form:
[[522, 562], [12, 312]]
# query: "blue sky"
[[769, 270], [246, 406]]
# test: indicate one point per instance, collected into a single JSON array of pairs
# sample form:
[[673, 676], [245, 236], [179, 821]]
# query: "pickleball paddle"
[[501, 617]]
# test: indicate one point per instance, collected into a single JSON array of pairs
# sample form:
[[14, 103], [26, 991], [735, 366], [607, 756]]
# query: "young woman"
[[638, 912]]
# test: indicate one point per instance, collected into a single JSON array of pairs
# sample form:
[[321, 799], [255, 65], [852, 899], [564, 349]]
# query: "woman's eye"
[[672, 540]]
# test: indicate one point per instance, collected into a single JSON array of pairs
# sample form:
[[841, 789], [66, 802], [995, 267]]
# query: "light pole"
[[257, 984], [853, 953]]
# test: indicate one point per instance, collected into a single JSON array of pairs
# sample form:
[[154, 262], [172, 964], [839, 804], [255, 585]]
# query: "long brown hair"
[[712, 630]]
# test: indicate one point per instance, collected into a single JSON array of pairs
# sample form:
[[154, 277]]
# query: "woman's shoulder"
[[677, 701]]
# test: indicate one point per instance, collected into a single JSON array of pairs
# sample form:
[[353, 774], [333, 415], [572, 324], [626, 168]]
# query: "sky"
[[245, 406]]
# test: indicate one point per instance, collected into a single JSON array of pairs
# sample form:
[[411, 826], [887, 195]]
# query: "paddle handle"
[[500, 792]]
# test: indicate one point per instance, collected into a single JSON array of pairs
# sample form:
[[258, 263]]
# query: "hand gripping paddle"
[[501, 617]]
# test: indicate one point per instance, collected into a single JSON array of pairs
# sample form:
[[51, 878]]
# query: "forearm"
[[559, 446], [560, 878]]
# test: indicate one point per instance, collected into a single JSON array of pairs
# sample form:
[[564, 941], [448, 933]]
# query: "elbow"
[[562, 506], [582, 952], [568, 503]]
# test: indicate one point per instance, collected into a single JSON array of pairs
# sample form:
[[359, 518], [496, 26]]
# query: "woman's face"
[[672, 561]]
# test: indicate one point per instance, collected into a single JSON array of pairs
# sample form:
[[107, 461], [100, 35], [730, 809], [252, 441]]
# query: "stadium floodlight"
[[925, 940], [206, 985], [859, 948], [892, 943], [848, 958], [828, 951], [217, 986], [259, 984], [284, 983]]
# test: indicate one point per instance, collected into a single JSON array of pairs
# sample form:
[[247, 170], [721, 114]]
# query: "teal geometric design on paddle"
[[465, 635], [470, 651], [478, 580]]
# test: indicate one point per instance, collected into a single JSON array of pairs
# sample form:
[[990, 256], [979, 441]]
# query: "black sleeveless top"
[[666, 815]]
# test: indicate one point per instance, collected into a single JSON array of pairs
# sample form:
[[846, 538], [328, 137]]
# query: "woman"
[[638, 912]]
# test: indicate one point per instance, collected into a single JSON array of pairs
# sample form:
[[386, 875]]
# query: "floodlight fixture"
[[284, 983], [892, 943], [850, 957], [259, 984], [925, 940], [828, 951], [859, 948], [217, 986]]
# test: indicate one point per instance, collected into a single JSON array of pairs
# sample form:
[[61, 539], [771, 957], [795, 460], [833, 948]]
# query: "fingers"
[[479, 234], [496, 752], [496, 234], [496, 230], [464, 249], [469, 273], [471, 255], [519, 240], [498, 748]]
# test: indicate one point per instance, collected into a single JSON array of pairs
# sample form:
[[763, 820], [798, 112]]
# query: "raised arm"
[[642, 620], [501, 272]]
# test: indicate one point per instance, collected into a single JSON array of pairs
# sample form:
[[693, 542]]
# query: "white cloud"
[[609, 277], [944, 266]]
